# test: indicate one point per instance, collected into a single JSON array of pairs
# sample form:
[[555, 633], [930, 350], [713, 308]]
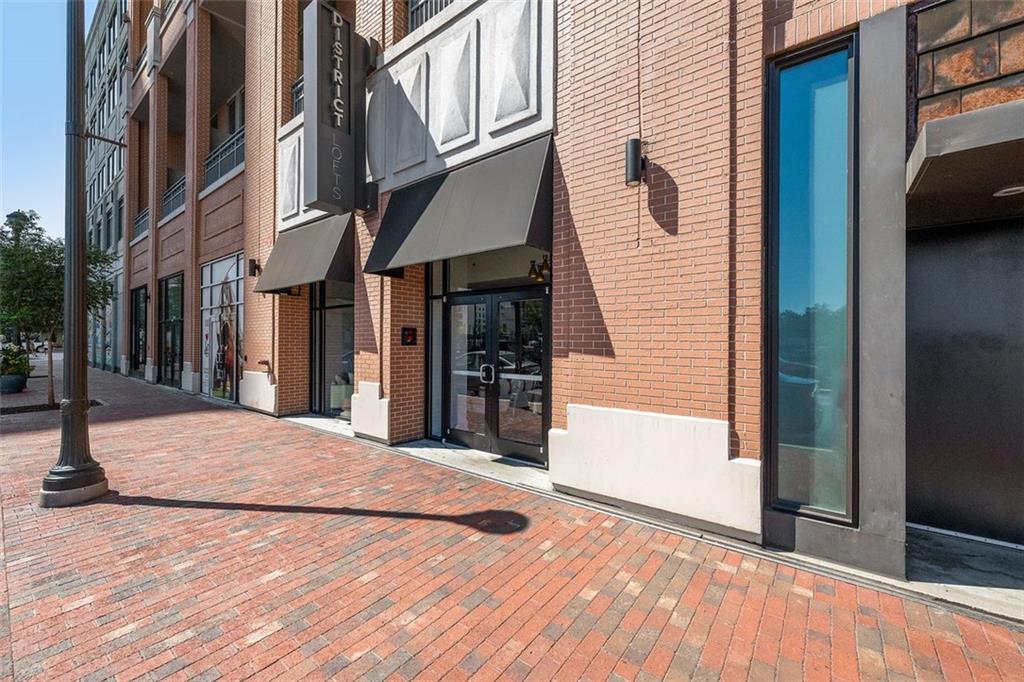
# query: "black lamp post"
[[76, 477]]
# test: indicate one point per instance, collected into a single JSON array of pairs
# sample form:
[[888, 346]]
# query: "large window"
[[223, 288], [333, 348], [137, 359], [811, 302], [169, 332]]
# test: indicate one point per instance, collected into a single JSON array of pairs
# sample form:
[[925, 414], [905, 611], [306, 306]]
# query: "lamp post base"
[[64, 486]]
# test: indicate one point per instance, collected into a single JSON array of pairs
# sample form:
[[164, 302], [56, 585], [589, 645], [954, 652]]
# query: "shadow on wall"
[[662, 198], [579, 326], [494, 521]]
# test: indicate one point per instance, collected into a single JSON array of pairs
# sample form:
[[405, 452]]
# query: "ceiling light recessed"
[[1010, 191]]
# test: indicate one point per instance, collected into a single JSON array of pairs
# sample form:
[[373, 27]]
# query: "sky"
[[32, 115]]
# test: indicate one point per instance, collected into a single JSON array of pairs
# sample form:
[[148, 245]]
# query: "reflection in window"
[[812, 351]]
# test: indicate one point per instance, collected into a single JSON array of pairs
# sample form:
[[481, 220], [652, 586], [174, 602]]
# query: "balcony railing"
[[225, 157], [421, 10], [298, 97], [174, 197], [141, 225]]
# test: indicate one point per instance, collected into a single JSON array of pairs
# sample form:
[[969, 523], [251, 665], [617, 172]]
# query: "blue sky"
[[32, 49]]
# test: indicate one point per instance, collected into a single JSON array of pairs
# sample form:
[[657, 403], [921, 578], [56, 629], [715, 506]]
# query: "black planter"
[[12, 383]]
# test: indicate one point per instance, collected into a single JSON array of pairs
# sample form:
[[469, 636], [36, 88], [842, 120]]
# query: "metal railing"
[[422, 10], [174, 198], [142, 58], [141, 225], [225, 157], [298, 97]]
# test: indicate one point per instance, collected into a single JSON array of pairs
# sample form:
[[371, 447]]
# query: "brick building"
[[765, 335], [106, 52]]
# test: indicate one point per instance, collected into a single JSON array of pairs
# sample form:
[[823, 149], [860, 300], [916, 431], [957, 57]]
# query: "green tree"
[[20, 236], [32, 282]]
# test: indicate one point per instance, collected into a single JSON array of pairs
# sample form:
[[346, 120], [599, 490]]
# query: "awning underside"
[[499, 202], [322, 250], [960, 164]]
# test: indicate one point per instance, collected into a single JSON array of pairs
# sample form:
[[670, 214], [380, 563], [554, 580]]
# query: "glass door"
[[170, 330], [137, 360], [496, 372]]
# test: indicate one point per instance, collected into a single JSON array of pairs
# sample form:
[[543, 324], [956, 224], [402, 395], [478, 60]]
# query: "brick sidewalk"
[[238, 545]]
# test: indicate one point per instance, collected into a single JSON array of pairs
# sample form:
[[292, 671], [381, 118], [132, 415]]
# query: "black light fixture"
[[534, 273], [254, 267], [545, 268], [636, 162]]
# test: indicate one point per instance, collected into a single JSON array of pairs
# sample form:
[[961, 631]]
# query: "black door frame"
[[491, 441]]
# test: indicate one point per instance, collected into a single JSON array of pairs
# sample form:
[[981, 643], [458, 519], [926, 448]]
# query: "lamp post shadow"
[[493, 521]]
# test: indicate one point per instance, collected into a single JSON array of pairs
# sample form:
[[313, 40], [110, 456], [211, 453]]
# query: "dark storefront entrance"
[[495, 369], [965, 379], [137, 350], [332, 330], [169, 331]]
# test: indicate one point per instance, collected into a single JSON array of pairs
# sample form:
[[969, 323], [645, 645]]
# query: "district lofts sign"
[[335, 60]]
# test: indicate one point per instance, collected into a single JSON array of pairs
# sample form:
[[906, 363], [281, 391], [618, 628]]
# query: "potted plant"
[[14, 368]]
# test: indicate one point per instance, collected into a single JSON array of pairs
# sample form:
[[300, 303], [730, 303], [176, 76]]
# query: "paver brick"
[[239, 546]]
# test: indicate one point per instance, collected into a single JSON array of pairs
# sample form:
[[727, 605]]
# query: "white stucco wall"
[[673, 463], [370, 411]]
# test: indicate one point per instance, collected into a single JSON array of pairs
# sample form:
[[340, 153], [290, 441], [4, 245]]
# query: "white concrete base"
[[124, 365], [189, 379], [370, 411], [150, 371], [677, 464], [67, 498], [258, 391]]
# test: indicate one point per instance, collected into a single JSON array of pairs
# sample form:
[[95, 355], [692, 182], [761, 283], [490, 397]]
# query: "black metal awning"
[[961, 166], [318, 251], [499, 202]]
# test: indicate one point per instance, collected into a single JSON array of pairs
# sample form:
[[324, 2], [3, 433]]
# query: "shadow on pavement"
[[494, 521]]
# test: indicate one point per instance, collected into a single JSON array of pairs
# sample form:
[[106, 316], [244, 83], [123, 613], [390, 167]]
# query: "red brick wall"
[[657, 289], [970, 56]]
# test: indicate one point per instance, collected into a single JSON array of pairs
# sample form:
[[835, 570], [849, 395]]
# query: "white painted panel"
[[674, 463], [256, 390], [370, 411], [291, 212], [478, 78]]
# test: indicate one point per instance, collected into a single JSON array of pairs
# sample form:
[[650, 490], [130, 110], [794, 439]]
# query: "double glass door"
[[497, 371]]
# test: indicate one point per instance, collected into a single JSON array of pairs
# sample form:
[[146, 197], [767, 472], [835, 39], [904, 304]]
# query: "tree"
[[20, 235], [32, 282]]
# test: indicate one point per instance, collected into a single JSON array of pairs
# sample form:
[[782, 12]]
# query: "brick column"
[[131, 207], [157, 171], [197, 144]]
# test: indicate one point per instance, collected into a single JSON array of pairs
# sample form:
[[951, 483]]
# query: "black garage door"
[[965, 379]]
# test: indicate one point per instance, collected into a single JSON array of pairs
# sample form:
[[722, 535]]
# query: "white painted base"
[[150, 371], [258, 391], [370, 411], [189, 379], [677, 464], [67, 498], [124, 365]]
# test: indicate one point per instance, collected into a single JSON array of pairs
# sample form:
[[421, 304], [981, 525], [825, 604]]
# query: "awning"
[[321, 250], [961, 167], [499, 202]]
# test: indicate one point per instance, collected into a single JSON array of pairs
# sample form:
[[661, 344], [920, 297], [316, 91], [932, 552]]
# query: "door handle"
[[487, 374]]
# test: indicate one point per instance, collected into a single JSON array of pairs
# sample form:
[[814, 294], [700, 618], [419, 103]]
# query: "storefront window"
[[170, 330], [811, 318], [138, 332], [222, 290], [333, 356], [496, 269]]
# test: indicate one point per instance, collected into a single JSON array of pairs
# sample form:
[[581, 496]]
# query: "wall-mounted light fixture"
[[254, 267], [636, 162]]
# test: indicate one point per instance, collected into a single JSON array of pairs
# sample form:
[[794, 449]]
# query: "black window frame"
[[845, 42], [136, 354]]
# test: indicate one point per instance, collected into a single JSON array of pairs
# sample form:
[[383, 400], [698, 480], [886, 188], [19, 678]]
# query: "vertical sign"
[[335, 59]]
